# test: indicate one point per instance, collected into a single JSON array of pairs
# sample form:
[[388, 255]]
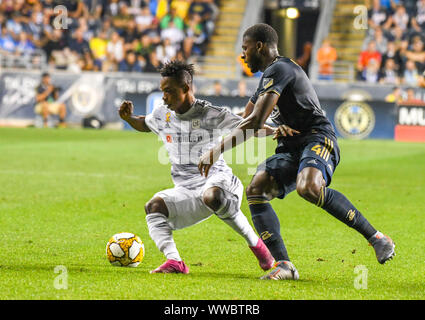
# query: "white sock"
[[162, 234], [240, 224]]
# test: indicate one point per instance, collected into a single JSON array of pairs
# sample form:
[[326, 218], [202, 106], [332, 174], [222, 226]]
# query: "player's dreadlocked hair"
[[179, 70], [262, 32]]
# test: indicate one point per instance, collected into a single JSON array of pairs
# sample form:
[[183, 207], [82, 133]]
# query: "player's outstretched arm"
[[245, 114], [246, 129], [137, 122]]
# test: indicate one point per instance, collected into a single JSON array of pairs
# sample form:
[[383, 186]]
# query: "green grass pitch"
[[63, 193]]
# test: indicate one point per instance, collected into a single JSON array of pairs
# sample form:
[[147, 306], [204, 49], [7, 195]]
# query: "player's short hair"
[[179, 70], [262, 32]]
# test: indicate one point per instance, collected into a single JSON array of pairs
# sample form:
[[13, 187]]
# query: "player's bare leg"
[[215, 199], [312, 187], [161, 233], [45, 113], [62, 115]]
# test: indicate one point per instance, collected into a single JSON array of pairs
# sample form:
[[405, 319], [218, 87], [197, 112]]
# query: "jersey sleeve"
[[151, 121], [254, 97], [228, 120], [276, 78]]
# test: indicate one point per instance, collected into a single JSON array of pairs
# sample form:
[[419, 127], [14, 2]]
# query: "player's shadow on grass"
[[231, 275]]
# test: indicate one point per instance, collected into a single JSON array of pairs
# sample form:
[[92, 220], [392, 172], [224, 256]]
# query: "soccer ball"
[[125, 250]]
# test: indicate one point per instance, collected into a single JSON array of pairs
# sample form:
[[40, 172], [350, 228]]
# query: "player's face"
[[173, 94], [251, 54]]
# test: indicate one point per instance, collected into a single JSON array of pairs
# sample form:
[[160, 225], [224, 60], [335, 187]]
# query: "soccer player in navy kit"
[[306, 155]]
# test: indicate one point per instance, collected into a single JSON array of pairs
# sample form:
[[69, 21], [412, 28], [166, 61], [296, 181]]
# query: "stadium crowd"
[[104, 35], [393, 51]]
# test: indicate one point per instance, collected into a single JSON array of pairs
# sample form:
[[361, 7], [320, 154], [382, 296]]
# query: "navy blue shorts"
[[321, 153]]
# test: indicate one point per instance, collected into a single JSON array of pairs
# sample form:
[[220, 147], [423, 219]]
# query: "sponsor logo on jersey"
[[354, 120], [196, 124]]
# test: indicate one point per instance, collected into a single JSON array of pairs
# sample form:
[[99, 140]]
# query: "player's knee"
[[259, 184], [213, 198], [309, 190], [156, 205]]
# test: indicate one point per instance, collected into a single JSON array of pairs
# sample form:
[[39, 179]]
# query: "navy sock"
[[267, 225], [341, 208]]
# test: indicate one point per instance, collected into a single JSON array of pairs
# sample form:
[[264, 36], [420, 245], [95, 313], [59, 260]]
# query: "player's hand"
[[284, 131], [207, 160], [126, 110]]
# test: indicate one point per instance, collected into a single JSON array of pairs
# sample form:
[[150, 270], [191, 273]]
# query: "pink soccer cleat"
[[263, 255], [172, 266]]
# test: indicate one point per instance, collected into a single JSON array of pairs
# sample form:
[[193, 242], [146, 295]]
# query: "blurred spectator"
[[195, 40], [392, 53], [106, 29], [203, 9], [395, 96], [130, 63], [411, 74], [371, 72], [165, 51], [418, 21], [421, 80], [145, 47], [326, 56], [304, 59], [400, 18], [53, 44], [75, 8], [98, 46], [115, 49], [181, 7], [7, 43], [174, 34], [46, 98], [378, 16], [411, 97], [389, 5], [152, 63], [218, 88], [78, 44], [379, 38], [242, 90], [122, 18], [416, 53], [24, 46], [130, 34], [389, 74], [172, 16], [144, 19], [369, 54]]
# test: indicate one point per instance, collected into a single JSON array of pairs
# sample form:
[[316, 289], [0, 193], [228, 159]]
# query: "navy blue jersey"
[[298, 106]]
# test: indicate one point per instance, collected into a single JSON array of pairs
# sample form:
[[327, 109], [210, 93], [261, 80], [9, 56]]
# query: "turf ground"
[[63, 193]]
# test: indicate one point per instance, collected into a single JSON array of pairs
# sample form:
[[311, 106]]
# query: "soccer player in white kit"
[[188, 127]]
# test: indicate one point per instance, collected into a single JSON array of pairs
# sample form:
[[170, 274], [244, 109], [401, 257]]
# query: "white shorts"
[[186, 207]]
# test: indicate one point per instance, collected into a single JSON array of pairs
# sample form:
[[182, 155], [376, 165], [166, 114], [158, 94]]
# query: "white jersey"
[[187, 136]]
